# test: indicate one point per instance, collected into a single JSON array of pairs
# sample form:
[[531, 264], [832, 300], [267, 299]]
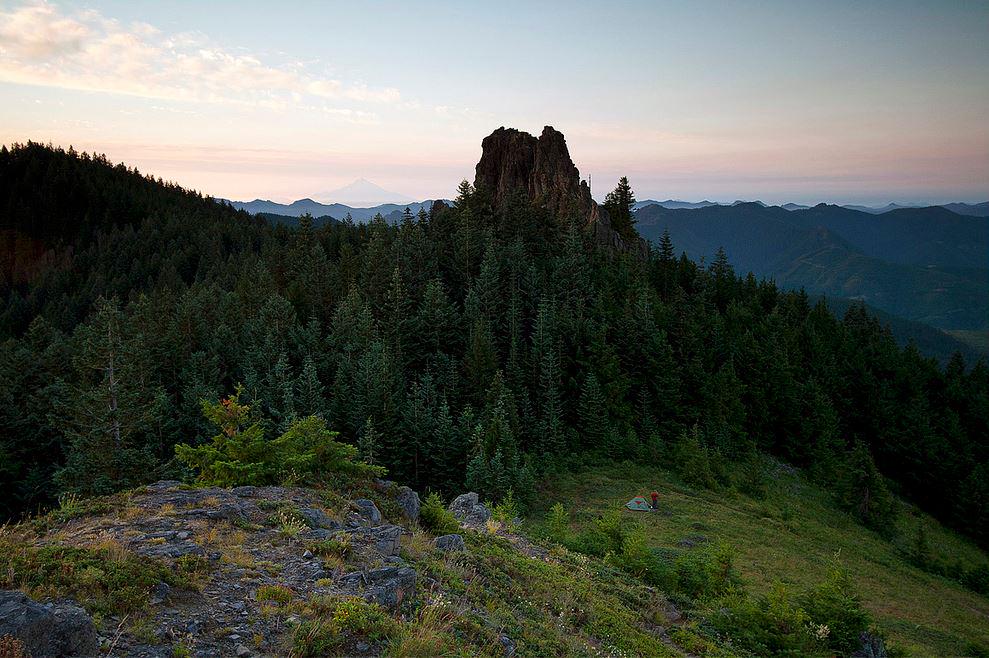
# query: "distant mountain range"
[[392, 212], [969, 209], [929, 265]]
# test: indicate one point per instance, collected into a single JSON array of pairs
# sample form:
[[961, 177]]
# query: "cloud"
[[40, 45]]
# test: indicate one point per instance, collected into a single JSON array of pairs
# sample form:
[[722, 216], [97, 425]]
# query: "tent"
[[638, 504]]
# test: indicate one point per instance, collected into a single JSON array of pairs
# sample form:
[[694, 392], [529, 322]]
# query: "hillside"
[[170, 570], [490, 345], [926, 265], [791, 533]]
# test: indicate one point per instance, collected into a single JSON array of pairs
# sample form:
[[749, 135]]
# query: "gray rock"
[[872, 647], [228, 511], [387, 586], [390, 586], [450, 543], [408, 500], [508, 645], [162, 486], [159, 593], [55, 630], [317, 518], [244, 492], [242, 651], [387, 539], [367, 509], [466, 508], [320, 533]]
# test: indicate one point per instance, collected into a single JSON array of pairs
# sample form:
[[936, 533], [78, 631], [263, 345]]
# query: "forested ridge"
[[464, 347]]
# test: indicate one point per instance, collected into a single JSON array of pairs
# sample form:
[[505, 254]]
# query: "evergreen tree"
[[106, 413], [309, 390], [593, 415], [367, 443], [620, 205]]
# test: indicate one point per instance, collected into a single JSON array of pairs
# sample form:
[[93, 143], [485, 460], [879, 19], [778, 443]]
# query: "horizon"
[[839, 104]]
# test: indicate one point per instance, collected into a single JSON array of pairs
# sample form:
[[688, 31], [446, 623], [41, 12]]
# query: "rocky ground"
[[246, 571]]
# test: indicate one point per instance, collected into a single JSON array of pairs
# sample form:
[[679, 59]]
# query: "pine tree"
[[106, 414], [367, 443], [551, 428], [593, 415], [620, 204], [309, 390]]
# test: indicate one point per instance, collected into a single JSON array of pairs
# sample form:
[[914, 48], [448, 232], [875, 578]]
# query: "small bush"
[[507, 512], [834, 605], [773, 624], [279, 594], [331, 548], [705, 572], [241, 455], [435, 517], [692, 460], [558, 524], [338, 621]]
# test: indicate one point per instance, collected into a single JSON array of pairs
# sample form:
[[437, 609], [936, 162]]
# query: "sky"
[[848, 102]]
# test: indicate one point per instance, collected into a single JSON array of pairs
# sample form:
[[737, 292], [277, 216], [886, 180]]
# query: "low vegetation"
[[785, 571]]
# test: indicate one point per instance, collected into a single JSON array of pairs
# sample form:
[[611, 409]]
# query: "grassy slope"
[[790, 536]]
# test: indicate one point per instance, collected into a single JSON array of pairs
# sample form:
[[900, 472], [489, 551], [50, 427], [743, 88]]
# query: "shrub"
[[558, 524], [507, 511], [690, 455], [770, 625], [833, 604], [241, 455], [332, 547], [750, 478], [279, 594], [704, 572], [435, 517], [605, 535], [338, 621]]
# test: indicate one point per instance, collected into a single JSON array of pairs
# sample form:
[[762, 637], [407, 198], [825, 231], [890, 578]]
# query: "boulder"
[[387, 539], [367, 509], [408, 500], [387, 586], [466, 508], [317, 518], [450, 543], [47, 631]]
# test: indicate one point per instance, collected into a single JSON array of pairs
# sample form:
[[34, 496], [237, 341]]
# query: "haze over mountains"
[[928, 265], [970, 209]]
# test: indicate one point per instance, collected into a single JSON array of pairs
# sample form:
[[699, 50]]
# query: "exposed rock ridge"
[[515, 162]]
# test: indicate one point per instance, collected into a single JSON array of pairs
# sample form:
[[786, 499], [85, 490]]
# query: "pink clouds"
[[85, 51]]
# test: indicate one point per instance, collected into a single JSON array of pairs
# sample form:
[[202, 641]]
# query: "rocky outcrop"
[[466, 508], [47, 631], [514, 162]]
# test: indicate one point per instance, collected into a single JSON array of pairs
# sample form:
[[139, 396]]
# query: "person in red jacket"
[[655, 499]]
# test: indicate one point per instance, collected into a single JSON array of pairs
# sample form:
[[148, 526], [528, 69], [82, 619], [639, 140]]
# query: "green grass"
[[105, 580], [792, 536]]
